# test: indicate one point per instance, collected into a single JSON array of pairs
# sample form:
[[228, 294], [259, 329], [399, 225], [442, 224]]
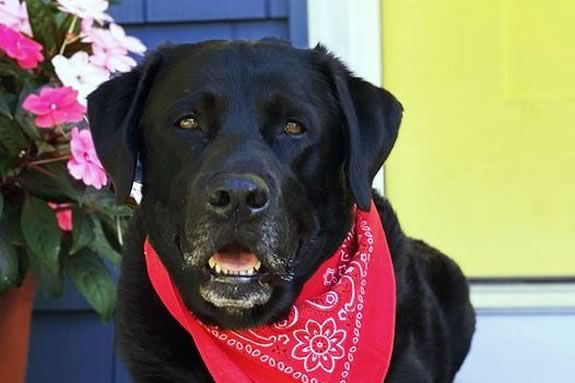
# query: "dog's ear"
[[114, 111], [371, 117]]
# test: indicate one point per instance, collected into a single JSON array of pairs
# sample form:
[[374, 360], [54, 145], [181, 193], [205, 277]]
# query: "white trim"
[[352, 30], [136, 192], [528, 297]]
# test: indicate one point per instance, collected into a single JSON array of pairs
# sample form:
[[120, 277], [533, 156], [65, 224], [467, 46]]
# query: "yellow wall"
[[484, 167]]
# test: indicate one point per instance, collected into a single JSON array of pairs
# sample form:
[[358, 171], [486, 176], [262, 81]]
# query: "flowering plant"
[[58, 217]]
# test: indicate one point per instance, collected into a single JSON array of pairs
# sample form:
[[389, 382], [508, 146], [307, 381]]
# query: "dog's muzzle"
[[237, 243]]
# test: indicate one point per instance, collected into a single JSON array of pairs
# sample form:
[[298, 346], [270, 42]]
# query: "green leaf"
[[44, 148], [11, 136], [62, 20], [23, 119], [101, 245], [10, 222], [51, 283], [41, 232], [8, 164], [82, 233], [5, 106], [53, 183], [41, 17], [11, 101], [119, 211], [98, 198], [9, 265], [11, 69], [27, 125], [94, 281]]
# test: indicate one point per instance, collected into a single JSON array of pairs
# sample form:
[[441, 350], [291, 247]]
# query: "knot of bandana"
[[340, 329]]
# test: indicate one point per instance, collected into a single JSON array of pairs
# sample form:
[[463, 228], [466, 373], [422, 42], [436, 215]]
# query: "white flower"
[[110, 48], [129, 43], [86, 27], [14, 15], [319, 345], [113, 37], [114, 59], [86, 9], [79, 73]]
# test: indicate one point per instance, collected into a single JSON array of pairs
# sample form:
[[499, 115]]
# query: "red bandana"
[[340, 329]]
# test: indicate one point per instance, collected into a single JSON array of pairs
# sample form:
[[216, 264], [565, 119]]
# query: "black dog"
[[260, 147]]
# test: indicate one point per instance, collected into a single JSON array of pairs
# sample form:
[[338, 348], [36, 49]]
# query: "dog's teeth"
[[224, 271]]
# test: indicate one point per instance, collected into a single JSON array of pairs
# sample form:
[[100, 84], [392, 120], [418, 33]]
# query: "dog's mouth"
[[235, 263], [237, 279]]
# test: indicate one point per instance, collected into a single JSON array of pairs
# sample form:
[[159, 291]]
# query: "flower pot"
[[15, 315]]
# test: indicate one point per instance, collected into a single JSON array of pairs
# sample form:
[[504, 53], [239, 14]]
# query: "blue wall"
[[69, 343], [156, 21]]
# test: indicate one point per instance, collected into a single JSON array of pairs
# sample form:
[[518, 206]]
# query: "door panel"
[[484, 167]]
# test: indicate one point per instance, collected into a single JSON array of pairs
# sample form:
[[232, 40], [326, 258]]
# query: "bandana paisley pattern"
[[339, 330]]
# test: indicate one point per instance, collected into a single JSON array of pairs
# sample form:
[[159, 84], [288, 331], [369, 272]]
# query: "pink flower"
[[84, 164], [54, 106], [110, 48], [14, 15], [63, 215], [17, 46]]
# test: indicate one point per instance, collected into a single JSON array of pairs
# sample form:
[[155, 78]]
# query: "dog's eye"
[[294, 128], [188, 122]]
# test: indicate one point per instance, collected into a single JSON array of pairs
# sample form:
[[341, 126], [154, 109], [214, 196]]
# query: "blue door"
[[69, 343]]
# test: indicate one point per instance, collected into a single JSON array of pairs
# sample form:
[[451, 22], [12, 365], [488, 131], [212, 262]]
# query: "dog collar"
[[340, 329]]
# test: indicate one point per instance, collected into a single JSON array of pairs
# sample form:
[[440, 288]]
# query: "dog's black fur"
[[241, 95]]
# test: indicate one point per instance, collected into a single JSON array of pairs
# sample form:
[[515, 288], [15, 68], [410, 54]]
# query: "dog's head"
[[253, 155]]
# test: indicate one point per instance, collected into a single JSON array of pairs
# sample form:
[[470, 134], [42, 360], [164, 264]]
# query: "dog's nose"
[[247, 195]]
